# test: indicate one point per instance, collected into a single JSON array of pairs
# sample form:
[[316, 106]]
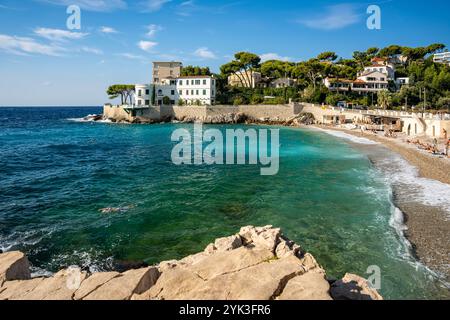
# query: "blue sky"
[[44, 63]]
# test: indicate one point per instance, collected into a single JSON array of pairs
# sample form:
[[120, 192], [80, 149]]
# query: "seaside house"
[[193, 90], [282, 83], [246, 79], [443, 58], [374, 78], [165, 70]]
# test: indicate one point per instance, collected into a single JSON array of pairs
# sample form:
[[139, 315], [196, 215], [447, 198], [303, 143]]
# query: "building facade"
[[246, 79], [373, 78], [443, 58], [164, 70], [195, 90]]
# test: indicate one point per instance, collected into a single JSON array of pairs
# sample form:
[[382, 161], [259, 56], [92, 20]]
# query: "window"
[[181, 82], [160, 92], [180, 92], [172, 82], [213, 93], [172, 92], [204, 82], [197, 82], [187, 92], [192, 92], [147, 102], [213, 82], [196, 92], [147, 92], [139, 93], [204, 92]]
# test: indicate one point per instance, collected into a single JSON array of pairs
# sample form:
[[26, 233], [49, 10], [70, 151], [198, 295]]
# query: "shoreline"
[[427, 226]]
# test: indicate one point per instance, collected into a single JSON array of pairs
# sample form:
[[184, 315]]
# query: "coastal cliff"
[[258, 263]]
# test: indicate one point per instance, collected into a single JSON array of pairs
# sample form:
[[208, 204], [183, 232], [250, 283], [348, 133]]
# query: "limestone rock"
[[230, 261], [93, 282], [13, 290], [257, 264], [228, 243], [308, 286], [265, 237], [260, 282], [173, 285], [124, 286], [286, 248], [353, 287], [309, 262], [14, 266], [61, 286]]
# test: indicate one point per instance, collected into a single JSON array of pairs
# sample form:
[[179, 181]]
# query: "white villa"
[[374, 78], [194, 90], [443, 57], [191, 90]]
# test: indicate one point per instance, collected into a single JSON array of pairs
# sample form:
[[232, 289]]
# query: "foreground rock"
[[258, 263], [14, 266]]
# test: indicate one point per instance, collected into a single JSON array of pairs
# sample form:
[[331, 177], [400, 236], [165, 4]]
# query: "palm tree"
[[384, 99]]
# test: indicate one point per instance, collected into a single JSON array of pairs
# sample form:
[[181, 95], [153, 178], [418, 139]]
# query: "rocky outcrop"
[[14, 266], [353, 287], [258, 263]]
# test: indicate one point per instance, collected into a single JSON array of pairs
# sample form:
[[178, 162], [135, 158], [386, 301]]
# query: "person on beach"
[[447, 144]]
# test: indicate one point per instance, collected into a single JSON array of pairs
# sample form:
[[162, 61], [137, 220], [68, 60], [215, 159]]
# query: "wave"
[[426, 191], [352, 138], [20, 239], [89, 118]]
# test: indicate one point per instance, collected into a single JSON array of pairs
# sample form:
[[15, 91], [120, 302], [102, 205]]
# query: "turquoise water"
[[56, 174]]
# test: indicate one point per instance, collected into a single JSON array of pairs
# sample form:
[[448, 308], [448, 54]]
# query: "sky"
[[43, 63]]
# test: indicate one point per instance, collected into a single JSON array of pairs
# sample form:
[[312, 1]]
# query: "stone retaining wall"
[[156, 113]]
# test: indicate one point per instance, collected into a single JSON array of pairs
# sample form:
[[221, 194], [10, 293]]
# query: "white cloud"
[[91, 5], [186, 8], [25, 46], [335, 17], [273, 56], [131, 56], [153, 5], [108, 30], [147, 45], [92, 50], [59, 35], [204, 53], [153, 29]]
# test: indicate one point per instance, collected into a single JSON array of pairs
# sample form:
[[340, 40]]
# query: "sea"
[[58, 171]]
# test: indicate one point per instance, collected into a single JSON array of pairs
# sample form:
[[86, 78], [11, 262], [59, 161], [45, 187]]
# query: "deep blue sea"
[[57, 172]]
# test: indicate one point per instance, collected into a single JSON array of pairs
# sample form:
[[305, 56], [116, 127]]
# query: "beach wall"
[[156, 113]]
